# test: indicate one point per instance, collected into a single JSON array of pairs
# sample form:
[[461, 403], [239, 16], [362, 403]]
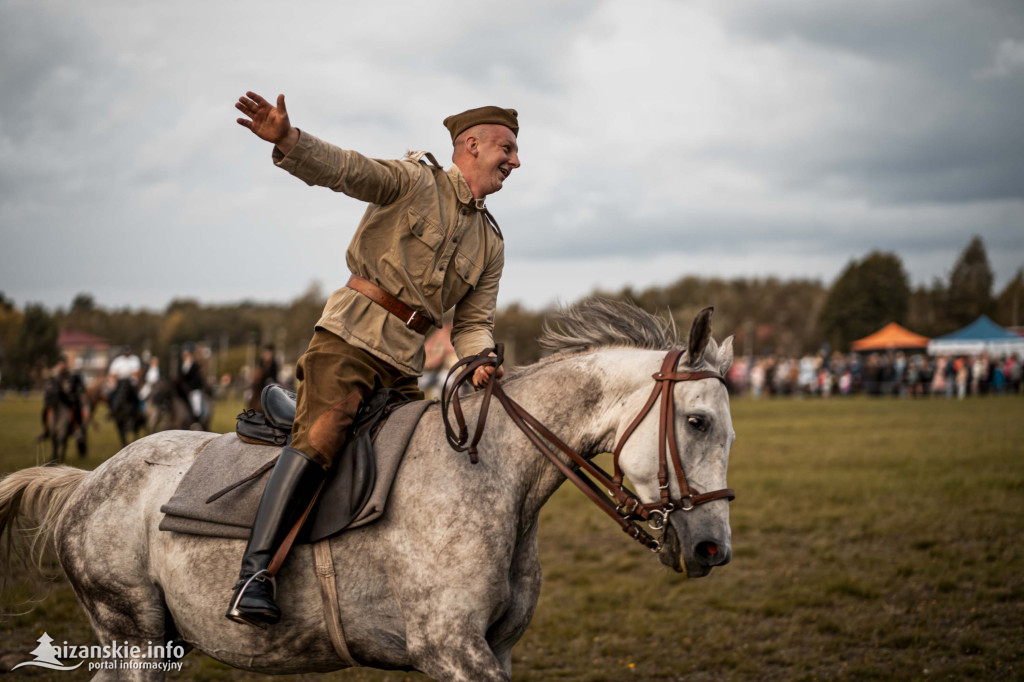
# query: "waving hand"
[[268, 122]]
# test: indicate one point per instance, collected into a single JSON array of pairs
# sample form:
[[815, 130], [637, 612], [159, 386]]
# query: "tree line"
[[767, 315]]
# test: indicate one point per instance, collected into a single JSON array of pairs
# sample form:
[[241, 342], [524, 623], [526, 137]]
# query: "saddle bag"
[[272, 426]]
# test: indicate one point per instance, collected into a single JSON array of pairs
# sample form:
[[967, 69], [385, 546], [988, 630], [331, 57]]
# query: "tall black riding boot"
[[292, 484]]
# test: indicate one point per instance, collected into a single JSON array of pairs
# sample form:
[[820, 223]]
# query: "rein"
[[620, 503]]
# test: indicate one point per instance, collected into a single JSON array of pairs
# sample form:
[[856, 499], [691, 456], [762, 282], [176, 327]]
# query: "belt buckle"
[[412, 319]]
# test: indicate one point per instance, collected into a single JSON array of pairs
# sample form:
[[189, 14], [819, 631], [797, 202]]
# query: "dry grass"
[[872, 540]]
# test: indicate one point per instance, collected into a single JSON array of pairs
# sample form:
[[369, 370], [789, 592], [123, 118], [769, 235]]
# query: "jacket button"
[[441, 268], [465, 211], [455, 240]]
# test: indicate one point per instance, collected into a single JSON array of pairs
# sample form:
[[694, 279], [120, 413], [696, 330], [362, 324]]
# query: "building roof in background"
[[73, 337]]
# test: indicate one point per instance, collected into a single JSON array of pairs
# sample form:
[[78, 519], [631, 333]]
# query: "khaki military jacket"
[[424, 239]]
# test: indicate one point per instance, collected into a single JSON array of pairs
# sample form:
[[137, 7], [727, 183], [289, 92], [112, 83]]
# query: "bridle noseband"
[[620, 503]]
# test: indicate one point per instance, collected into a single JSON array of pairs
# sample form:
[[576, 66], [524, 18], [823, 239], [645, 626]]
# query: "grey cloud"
[[936, 35], [940, 134], [120, 166], [691, 231], [522, 46]]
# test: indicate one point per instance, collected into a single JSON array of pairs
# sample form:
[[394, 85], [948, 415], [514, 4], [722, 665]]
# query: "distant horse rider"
[[64, 387], [191, 385], [152, 377], [265, 375], [123, 375], [427, 243]]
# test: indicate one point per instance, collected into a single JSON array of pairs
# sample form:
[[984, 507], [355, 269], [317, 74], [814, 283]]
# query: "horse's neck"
[[582, 400]]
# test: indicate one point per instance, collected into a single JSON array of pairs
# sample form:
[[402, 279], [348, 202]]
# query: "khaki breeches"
[[333, 377]]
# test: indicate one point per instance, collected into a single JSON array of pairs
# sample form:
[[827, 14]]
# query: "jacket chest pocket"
[[421, 244], [467, 269]]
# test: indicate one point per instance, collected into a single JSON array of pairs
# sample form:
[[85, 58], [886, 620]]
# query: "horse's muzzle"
[[694, 548]]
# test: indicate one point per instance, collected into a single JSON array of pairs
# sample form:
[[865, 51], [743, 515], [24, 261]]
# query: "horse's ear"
[[700, 334], [725, 356]]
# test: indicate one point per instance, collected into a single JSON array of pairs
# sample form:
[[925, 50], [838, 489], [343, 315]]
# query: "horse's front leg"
[[448, 612], [450, 647]]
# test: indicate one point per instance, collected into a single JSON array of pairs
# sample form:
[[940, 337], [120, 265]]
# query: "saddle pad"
[[226, 459]]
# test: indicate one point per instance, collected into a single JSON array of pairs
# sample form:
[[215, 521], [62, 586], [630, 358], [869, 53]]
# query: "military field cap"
[[460, 123]]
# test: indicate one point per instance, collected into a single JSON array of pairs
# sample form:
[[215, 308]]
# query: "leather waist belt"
[[413, 319]]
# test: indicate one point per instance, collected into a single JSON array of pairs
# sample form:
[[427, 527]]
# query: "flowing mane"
[[601, 322]]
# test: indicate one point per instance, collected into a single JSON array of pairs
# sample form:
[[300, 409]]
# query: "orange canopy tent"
[[890, 337]]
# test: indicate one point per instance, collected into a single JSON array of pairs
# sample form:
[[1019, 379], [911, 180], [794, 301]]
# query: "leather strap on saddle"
[[413, 319], [323, 561]]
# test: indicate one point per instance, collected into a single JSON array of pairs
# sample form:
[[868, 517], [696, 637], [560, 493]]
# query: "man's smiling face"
[[491, 154], [499, 155]]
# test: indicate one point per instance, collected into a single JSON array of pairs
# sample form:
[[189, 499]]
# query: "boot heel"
[[239, 617]]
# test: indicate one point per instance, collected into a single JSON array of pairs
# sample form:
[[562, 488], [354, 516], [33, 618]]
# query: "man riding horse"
[[124, 374], [64, 387], [191, 385], [426, 243]]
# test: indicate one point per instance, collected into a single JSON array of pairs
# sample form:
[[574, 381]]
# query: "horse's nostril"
[[707, 551]]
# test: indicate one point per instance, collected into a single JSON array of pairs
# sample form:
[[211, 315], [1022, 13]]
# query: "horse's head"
[[697, 538]]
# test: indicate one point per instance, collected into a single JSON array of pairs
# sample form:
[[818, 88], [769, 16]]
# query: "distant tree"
[[1010, 304], [299, 320], [970, 285], [928, 313], [866, 296], [83, 304], [10, 330], [519, 329], [35, 348]]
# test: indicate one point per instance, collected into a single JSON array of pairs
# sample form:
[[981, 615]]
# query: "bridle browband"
[[620, 503]]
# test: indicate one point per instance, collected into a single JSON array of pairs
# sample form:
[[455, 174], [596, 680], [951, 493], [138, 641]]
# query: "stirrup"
[[240, 616]]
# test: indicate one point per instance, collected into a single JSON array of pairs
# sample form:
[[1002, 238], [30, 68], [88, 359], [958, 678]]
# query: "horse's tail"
[[31, 503]]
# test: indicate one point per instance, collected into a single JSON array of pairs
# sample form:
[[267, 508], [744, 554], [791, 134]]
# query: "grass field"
[[872, 539]]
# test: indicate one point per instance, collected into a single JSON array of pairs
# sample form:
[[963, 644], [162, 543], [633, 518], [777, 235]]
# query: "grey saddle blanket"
[[226, 460]]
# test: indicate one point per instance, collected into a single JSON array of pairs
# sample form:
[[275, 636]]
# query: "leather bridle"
[[620, 503]]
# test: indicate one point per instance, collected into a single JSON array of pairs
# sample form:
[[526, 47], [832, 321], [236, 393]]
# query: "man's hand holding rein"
[[483, 374]]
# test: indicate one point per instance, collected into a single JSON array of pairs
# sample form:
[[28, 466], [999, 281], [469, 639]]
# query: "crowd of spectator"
[[883, 374]]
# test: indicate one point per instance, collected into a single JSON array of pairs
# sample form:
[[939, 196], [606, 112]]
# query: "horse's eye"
[[696, 422]]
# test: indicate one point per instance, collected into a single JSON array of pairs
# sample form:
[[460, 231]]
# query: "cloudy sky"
[[658, 139]]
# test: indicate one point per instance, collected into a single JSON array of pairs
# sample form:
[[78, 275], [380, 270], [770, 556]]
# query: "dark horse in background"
[[60, 426], [64, 414], [166, 409], [125, 410]]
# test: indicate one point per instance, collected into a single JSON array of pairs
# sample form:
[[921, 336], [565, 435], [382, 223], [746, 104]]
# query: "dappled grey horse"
[[446, 582]]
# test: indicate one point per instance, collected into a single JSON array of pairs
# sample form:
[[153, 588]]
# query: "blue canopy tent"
[[981, 336]]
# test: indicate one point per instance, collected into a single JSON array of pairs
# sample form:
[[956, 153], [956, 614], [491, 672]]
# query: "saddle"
[[213, 500]]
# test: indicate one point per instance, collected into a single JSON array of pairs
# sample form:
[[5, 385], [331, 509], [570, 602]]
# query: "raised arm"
[[268, 122], [316, 162]]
